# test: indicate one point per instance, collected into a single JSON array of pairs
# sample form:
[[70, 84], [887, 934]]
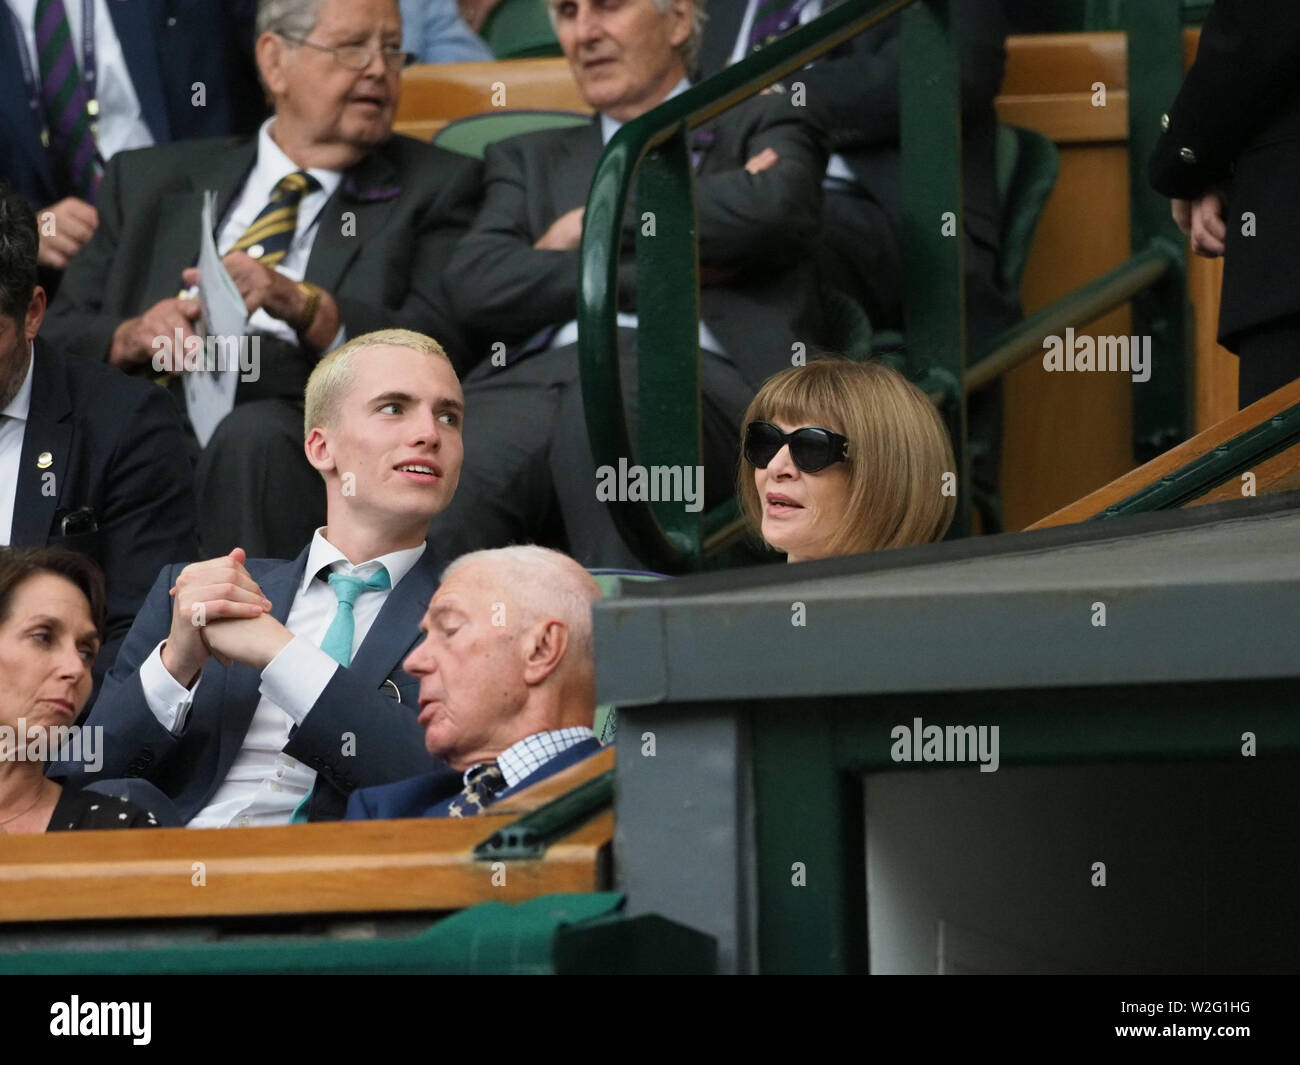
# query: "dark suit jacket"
[[763, 227], [188, 768], [117, 448], [169, 45], [854, 92], [1236, 122], [385, 237], [430, 795]]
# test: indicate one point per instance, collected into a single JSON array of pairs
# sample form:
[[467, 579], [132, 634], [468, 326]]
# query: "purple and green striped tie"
[[65, 99]]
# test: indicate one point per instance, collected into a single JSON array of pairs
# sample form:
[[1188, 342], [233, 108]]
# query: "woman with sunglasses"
[[841, 457]]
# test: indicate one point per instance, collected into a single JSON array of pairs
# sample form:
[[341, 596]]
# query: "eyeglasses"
[[812, 448], [358, 56]]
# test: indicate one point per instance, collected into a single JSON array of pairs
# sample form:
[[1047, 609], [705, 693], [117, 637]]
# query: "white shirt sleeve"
[[168, 699], [295, 678]]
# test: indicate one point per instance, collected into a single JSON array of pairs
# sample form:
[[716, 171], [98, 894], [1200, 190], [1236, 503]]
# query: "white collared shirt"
[[13, 427], [121, 121], [523, 758], [264, 784], [836, 167], [271, 166], [568, 333]]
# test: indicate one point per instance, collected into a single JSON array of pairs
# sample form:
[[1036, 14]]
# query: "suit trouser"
[[1269, 357], [529, 475]]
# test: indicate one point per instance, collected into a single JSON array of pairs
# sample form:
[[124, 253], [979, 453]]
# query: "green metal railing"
[[654, 150]]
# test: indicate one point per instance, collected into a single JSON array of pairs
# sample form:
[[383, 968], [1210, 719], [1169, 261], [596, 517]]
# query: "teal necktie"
[[338, 638]]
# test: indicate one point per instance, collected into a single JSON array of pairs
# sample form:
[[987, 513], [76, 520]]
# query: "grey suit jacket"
[[384, 240], [758, 229]]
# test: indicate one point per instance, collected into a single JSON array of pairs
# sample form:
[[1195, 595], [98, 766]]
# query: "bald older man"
[[330, 227], [507, 683]]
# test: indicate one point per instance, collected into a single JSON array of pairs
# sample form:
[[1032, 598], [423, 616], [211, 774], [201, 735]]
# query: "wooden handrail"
[[352, 867], [1175, 458]]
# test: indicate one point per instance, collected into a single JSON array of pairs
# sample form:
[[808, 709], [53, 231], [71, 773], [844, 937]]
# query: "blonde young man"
[[249, 688], [330, 226]]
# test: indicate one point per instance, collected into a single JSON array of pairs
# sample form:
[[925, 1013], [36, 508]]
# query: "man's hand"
[[253, 641], [64, 228], [133, 340], [565, 233], [261, 287], [762, 161], [1202, 221], [204, 593], [269, 290]]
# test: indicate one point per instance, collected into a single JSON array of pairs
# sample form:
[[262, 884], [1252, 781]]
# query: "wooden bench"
[[353, 867]]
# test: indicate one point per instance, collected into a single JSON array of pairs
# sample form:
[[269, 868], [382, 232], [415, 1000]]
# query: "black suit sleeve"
[[1247, 65], [357, 737], [772, 217], [148, 514], [498, 282], [77, 323], [854, 92]]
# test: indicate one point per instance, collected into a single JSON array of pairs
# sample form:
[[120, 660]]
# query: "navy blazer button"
[[1164, 123], [1187, 156]]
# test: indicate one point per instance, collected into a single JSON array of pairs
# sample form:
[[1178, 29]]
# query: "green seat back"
[[520, 29], [471, 135], [1027, 164]]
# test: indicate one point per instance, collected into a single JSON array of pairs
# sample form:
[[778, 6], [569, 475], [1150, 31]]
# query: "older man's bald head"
[[507, 652]]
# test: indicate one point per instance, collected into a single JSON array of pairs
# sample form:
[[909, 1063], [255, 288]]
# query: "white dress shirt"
[[121, 122], [265, 785], [568, 333], [271, 166], [836, 167], [13, 426]]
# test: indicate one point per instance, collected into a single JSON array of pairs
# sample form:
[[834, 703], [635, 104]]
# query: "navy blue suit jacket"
[[117, 449], [387, 741], [429, 795], [169, 45]]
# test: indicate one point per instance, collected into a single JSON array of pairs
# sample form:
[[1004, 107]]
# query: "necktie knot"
[[347, 588], [292, 187], [483, 784], [338, 639]]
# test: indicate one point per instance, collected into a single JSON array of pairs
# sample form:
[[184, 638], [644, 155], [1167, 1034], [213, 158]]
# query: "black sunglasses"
[[812, 448]]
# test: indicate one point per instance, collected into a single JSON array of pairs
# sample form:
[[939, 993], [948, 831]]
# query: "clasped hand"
[[219, 612]]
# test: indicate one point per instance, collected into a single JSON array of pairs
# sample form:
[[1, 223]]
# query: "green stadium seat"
[[471, 136], [1027, 164], [520, 29]]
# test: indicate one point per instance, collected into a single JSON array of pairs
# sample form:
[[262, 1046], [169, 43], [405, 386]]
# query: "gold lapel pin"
[[44, 460]]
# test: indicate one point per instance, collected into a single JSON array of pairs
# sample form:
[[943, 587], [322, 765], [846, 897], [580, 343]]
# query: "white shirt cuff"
[[167, 698], [295, 678]]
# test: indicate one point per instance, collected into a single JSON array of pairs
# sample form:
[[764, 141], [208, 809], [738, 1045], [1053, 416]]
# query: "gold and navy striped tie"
[[270, 236]]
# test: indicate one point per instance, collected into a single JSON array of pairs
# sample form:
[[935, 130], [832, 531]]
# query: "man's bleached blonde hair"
[[334, 373]]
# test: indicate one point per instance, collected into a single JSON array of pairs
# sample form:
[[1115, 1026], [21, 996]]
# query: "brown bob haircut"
[[898, 450], [21, 564]]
